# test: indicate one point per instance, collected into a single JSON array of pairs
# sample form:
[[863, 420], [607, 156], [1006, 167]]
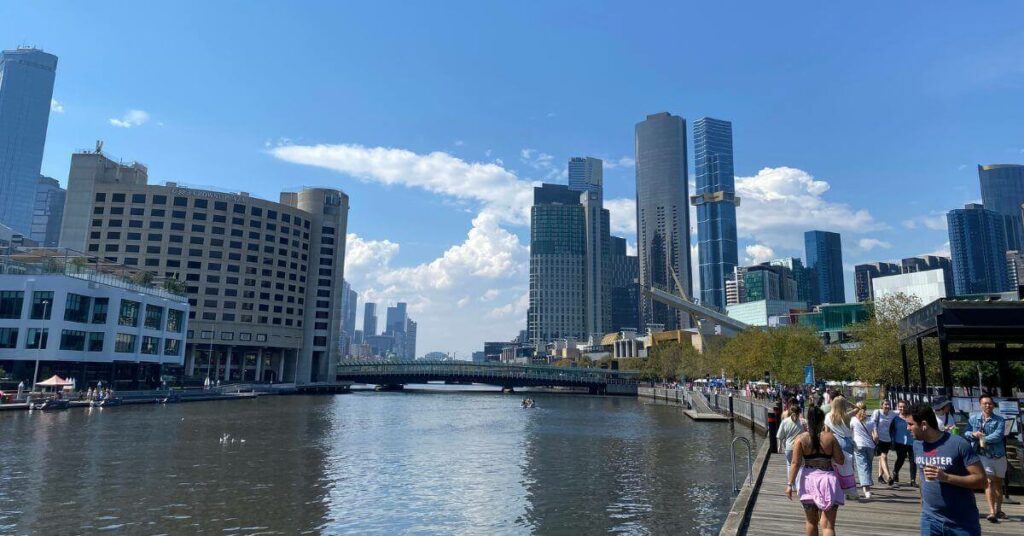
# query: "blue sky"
[[865, 118]]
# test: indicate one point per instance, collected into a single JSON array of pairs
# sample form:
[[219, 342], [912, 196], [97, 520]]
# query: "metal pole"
[[39, 346]]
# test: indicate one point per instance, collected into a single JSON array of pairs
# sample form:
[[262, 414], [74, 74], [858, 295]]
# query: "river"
[[437, 460]]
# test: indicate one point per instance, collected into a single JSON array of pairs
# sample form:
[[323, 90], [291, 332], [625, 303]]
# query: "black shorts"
[[883, 447]]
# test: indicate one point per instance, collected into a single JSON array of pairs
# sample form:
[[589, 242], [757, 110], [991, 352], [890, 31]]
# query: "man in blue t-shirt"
[[950, 471]]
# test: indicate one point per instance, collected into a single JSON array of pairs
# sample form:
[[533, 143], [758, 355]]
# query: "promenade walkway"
[[890, 512]]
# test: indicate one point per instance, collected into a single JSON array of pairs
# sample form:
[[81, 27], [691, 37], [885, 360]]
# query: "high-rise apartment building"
[[716, 202], [26, 89], [824, 254], [349, 302], [48, 212], [558, 250], [799, 274], [765, 281], [924, 263], [624, 291], [410, 340], [262, 278], [864, 273], [977, 241], [662, 214], [1002, 191], [369, 319], [586, 177]]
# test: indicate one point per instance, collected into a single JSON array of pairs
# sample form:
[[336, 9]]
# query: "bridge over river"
[[506, 376]]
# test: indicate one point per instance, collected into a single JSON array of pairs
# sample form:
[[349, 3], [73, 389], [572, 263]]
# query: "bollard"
[[732, 414], [773, 428]]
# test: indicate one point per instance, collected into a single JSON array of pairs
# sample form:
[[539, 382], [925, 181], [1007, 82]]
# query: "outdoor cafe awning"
[[54, 381]]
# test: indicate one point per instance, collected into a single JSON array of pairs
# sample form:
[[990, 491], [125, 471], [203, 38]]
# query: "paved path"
[[890, 512]]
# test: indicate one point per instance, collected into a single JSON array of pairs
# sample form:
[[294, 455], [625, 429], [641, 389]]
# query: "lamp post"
[[39, 344]]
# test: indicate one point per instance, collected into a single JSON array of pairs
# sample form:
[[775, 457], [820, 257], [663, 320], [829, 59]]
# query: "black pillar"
[[947, 373], [1005, 373], [906, 365], [920, 364]]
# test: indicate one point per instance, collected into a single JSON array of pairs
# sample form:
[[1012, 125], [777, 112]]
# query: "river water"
[[444, 460]]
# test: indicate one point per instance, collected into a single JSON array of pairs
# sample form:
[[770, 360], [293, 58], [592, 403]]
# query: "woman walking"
[[816, 454], [791, 427], [838, 422], [882, 434], [865, 454]]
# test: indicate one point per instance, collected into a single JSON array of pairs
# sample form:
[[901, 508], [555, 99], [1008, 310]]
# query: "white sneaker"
[[867, 494]]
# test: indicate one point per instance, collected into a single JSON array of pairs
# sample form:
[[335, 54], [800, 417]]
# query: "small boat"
[[106, 402], [53, 405]]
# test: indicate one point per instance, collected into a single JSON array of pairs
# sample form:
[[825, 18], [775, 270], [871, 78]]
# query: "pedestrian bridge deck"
[[889, 512]]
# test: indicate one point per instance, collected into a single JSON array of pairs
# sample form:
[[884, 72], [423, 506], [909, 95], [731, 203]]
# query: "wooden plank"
[[890, 511]]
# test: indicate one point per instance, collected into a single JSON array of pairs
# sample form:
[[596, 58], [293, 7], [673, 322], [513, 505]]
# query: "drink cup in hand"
[[931, 472]]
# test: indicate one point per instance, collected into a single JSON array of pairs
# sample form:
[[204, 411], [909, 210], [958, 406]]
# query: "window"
[[137, 212], [42, 305], [220, 205], [156, 225], [157, 213], [99, 310], [10, 303], [138, 198], [174, 320], [118, 198], [154, 237], [261, 337], [180, 202], [129, 314], [172, 346], [124, 343], [8, 337], [135, 236], [319, 341], [198, 228], [199, 203], [206, 334], [238, 209], [180, 214], [159, 200], [227, 335], [101, 197], [150, 346], [95, 343], [76, 308], [245, 336], [37, 338], [154, 317], [72, 340]]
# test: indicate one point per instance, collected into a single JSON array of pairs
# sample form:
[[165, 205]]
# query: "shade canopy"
[[54, 381]]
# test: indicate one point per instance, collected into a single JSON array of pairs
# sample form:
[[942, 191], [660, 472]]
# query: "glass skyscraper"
[[715, 199], [558, 248], [1002, 191], [26, 89], [586, 174], [662, 214], [977, 243], [824, 252], [864, 273]]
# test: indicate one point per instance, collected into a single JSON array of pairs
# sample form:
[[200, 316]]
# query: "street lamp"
[[39, 344]]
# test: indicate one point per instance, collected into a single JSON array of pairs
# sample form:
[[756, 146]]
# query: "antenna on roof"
[[99, 146]]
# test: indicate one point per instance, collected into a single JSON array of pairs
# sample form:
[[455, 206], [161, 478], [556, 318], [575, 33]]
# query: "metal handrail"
[[750, 461]]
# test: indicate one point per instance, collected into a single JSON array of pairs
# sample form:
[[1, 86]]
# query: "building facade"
[[977, 242], [586, 176], [369, 319], [922, 263], [624, 290], [558, 249], [1002, 191], [85, 320], [48, 212], [824, 253], [761, 312], [26, 89], [663, 216], [864, 273], [799, 274], [716, 202], [926, 286], [263, 279]]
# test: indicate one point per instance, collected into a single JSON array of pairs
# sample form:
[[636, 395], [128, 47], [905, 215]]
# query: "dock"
[[892, 512]]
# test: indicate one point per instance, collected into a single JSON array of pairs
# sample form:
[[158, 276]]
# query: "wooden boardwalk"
[[889, 512]]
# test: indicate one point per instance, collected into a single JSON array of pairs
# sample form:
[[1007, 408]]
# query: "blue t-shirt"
[[951, 504]]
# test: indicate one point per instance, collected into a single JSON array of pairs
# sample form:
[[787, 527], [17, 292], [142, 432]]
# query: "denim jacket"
[[995, 443]]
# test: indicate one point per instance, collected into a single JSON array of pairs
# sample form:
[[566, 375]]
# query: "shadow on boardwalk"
[[890, 512]]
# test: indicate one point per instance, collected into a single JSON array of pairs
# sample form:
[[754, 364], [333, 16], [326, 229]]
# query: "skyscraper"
[[48, 212], [864, 273], [799, 274], [586, 177], [26, 89], [716, 201], [662, 214], [824, 252], [410, 339], [369, 319], [977, 241], [352, 301], [396, 318], [557, 265], [624, 292], [1002, 191]]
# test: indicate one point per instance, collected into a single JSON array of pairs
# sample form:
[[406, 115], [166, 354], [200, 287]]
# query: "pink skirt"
[[821, 488]]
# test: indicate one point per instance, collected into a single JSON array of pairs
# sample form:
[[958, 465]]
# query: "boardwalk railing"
[[750, 410]]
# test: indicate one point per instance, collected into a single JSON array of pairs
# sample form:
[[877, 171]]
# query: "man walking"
[[950, 470], [985, 432]]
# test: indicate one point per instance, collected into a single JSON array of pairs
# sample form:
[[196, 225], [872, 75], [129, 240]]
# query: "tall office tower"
[[558, 248], [765, 281], [623, 271], [977, 241], [369, 320], [585, 176], [924, 263], [824, 254], [1002, 191], [410, 340], [734, 291], [351, 298], [264, 304], [48, 212], [864, 273], [716, 202], [396, 317], [799, 274], [662, 215], [26, 89]]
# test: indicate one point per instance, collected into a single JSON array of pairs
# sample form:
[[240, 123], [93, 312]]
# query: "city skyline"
[[355, 128]]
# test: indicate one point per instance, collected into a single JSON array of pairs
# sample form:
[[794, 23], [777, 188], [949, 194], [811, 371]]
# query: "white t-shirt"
[[862, 433], [883, 421]]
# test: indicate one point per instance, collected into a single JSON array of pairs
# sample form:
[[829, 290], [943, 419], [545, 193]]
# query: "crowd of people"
[[831, 446]]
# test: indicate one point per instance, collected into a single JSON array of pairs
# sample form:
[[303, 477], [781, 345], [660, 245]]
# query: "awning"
[[54, 381]]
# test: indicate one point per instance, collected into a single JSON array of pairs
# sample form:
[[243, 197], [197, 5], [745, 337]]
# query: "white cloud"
[[490, 295], [758, 253], [868, 244], [631, 248], [934, 221], [56, 107], [622, 216], [514, 310], [779, 204], [621, 162], [459, 143], [131, 118], [942, 250]]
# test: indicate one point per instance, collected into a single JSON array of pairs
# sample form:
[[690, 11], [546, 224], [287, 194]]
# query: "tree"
[[142, 278], [878, 359], [173, 285], [782, 352]]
